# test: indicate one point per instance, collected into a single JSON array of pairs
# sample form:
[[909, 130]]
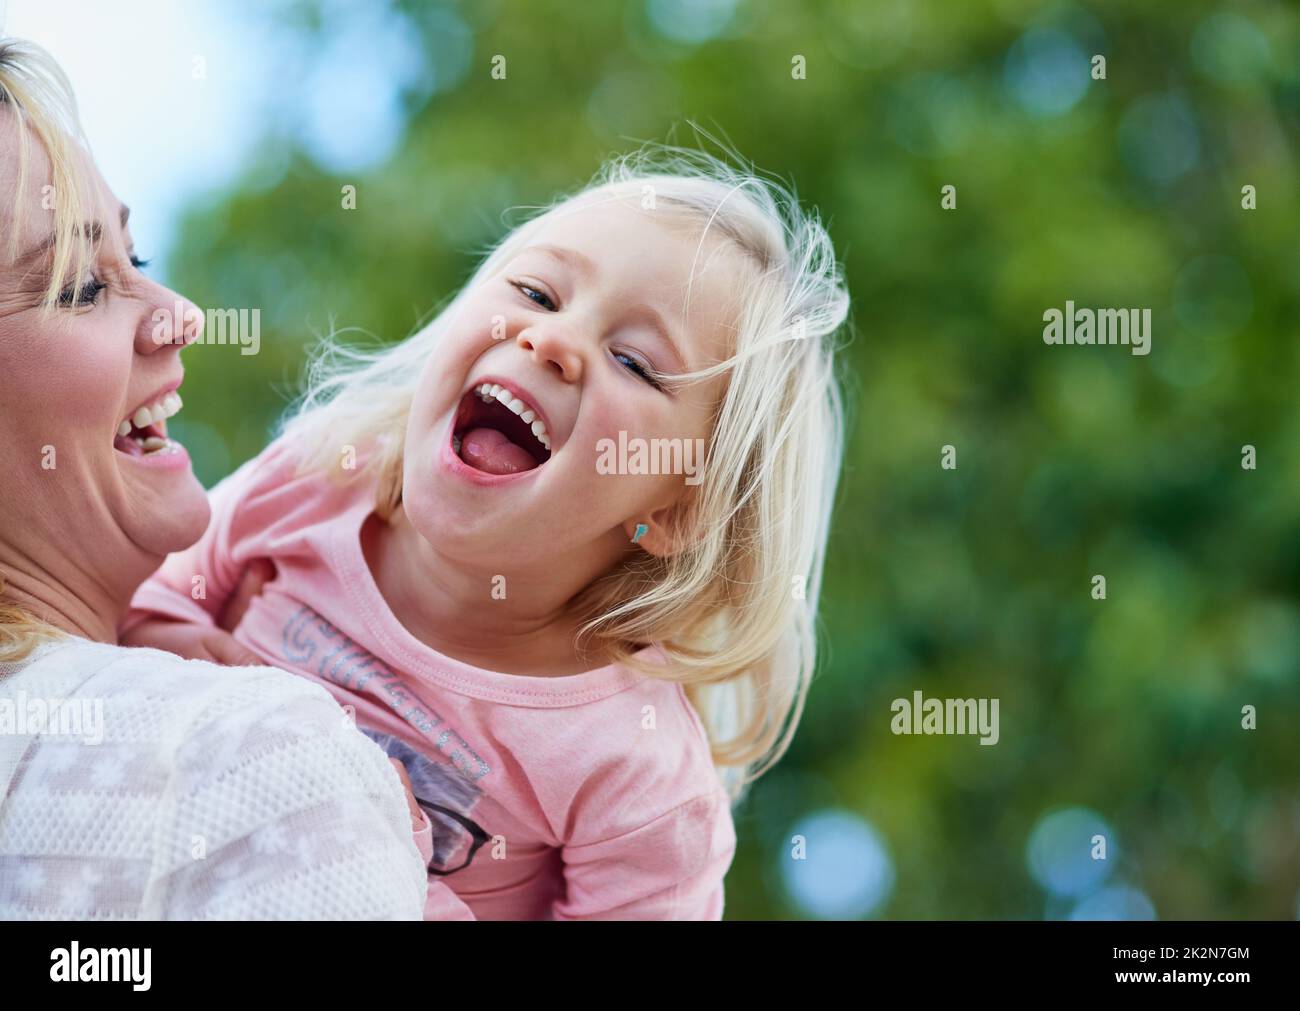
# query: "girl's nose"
[[552, 349]]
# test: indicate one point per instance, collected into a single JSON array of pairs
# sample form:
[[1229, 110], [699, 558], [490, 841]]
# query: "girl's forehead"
[[589, 222], [660, 246]]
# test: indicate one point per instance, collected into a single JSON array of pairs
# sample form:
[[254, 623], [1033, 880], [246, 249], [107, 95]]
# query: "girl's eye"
[[529, 292], [138, 263], [632, 365], [77, 296]]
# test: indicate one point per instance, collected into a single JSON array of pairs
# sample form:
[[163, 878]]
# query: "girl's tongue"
[[488, 450]]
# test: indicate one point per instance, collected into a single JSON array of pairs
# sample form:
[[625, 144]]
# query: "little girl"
[[496, 544]]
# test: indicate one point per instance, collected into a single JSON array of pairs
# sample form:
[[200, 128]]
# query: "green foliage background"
[[1071, 460]]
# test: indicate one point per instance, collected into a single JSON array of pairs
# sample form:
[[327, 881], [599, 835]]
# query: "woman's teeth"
[[494, 391], [154, 443], [151, 415]]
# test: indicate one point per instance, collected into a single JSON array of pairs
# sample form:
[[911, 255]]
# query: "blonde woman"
[[134, 784], [561, 549]]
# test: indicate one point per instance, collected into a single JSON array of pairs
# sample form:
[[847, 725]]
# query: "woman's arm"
[[278, 808]]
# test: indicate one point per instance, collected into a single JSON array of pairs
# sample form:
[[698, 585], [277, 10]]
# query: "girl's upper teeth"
[[151, 414], [497, 392]]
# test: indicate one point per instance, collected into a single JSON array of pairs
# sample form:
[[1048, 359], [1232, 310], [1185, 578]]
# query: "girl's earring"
[[641, 531]]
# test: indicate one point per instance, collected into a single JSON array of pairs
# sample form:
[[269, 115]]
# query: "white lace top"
[[137, 785]]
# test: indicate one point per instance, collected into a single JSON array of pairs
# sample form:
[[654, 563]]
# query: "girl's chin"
[[445, 511]]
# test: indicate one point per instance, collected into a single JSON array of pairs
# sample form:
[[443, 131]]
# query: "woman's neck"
[[62, 595]]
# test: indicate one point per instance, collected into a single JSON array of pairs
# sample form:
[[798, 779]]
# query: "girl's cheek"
[[468, 337], [606, 414], [640, 419]]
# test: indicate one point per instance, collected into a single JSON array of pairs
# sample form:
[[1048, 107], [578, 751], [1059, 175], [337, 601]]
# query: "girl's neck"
[[518, 623]]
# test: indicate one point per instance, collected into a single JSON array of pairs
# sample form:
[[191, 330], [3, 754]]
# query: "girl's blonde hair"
[[35, 89], [734, 610]]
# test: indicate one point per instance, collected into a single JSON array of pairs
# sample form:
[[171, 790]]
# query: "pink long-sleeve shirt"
[[593, 796]]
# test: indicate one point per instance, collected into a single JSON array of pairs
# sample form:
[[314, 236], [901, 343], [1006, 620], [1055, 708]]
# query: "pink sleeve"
[[671, 868], [441, 903], [444, 904], [193, 585], [424, 839]]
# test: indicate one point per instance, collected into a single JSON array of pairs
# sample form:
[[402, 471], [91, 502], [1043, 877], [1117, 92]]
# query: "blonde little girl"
[[581, 667]]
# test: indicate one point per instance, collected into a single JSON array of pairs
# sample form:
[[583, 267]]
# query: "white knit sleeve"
[[276, 807]]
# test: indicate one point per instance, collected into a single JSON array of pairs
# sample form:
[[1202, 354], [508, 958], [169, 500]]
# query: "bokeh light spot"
[[1046, 72], [1060, 851], [847, 872]]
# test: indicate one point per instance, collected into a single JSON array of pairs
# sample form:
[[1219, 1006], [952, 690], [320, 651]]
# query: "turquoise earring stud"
[[641, 531]]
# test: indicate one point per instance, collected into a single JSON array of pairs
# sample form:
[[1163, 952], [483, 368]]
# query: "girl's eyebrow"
[[584, 265], [656, 323], [579, 261]]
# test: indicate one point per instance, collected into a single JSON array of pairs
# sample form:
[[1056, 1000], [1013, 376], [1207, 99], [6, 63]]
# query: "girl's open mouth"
[[498, 432]]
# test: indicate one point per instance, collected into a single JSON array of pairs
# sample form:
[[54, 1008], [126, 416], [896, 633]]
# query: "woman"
[[134, 784]]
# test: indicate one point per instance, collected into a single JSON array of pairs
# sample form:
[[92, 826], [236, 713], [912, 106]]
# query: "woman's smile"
[[142, 434]]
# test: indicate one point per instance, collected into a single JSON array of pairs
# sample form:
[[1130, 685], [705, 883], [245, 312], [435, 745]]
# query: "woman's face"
[[570, 324], [70, 378]]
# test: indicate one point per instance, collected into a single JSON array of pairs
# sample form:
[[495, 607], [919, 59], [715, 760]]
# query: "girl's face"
[[568, 329], [71, 377]]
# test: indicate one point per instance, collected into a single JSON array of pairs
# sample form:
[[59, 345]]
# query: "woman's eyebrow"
[[92, 228]]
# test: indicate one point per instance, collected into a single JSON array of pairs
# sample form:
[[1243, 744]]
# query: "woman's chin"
[[166, 507], [176, 531]]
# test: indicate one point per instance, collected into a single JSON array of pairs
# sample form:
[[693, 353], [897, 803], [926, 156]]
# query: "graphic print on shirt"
[[311, 642]]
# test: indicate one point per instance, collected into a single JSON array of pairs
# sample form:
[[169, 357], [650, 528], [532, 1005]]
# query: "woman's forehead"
[[31, 212]]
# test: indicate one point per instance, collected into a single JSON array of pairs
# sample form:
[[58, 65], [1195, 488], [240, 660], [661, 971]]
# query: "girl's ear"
[[657, 538]]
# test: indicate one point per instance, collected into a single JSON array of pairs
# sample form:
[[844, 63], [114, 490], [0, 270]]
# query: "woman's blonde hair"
[[36, 90], [34, 86], [734, 610]]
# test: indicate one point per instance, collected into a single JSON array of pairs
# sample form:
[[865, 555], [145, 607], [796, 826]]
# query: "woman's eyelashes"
[[78, 295], [87, 293]]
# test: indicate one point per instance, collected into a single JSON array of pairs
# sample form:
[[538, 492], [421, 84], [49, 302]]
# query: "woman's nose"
[[174, 321], [553, 349]]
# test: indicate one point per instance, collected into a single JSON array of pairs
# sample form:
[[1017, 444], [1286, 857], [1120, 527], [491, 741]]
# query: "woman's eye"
[[529, 292], [85, 294], [138, 263], [632, 365]]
